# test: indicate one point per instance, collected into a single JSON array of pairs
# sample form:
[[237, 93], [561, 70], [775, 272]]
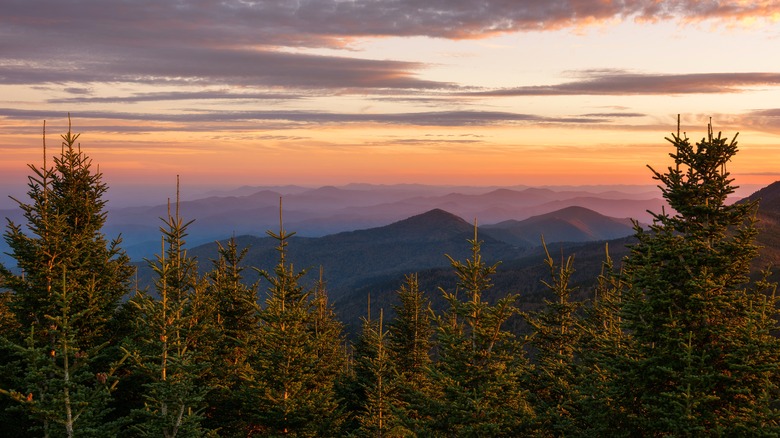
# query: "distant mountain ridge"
[[418, 242], [768, 216], [372, 259], [316, 212], [569, 224], [356, 263], [329, 210], [421, 242]]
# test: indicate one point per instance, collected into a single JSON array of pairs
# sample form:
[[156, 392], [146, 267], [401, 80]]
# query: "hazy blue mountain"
[[374, 261], [570, 224], [348, 258], [328, 210]]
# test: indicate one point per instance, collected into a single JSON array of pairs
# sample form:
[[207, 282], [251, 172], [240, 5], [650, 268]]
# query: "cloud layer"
[[244, 43], [623, 83]]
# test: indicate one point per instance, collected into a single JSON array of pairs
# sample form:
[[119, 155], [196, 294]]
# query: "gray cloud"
[[205, 66], [767, 120], [210, 120], [325, 22], [623, 83], [234, 42], [180, 95]]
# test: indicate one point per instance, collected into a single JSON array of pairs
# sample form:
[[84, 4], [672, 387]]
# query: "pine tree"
[[409, 350], [555, 338], [171, 348], [373, 378], [64, 225], [65, 297], [410, 333], [602, 407], [237, 325], [703, 362], [328, 333], [477, 379], [291, 388]]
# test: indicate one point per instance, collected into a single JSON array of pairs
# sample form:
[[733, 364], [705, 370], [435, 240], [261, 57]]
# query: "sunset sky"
[[314, 92]]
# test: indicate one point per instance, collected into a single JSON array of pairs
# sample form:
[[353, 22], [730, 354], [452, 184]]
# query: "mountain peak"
[[431, 224], [768, 198], [570, 224], [435, 217]]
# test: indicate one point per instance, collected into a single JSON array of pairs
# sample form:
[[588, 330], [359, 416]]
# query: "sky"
[[315, 92]]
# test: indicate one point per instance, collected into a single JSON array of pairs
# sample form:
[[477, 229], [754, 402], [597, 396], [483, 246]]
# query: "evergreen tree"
[[65, 297], [477, 379], [555, 338], [171, 348], [703, 362], [8, 323], [291, 388], [601, 407], [409, 341], [409, 350], [13, 421], [64, 223], [330, 345], [374, 383], [237, 324]]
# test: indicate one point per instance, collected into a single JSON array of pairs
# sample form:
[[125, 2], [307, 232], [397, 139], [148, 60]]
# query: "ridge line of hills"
[[330, 210], [374, 259], [356, 263]]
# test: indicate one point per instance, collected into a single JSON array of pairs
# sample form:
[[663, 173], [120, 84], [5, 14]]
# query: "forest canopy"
[[676, 339]]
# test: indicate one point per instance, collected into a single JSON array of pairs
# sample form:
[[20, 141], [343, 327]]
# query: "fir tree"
[[702, 362], [291, 388], [409, 341], [409, 349], [64, 225], [237, 325], [374, 383], [477, 380], [601, 407], [328, 332], [171, 346], [62, 302], [555, 338]]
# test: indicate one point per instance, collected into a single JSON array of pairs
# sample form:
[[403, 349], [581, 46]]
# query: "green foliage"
[[291, 387], [555, 339], [477, 379], [172, 347], [237, 325], [58, 385], [695, 320], [409, 350], [410, 333], [63, 234], [63, 301], [601, 407], [374, 383]]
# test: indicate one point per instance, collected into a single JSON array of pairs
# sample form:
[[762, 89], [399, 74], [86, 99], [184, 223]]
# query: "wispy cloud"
[[205, 66], [236, 42], [211, 119], [234, 23], [625, 83], [177, 95]]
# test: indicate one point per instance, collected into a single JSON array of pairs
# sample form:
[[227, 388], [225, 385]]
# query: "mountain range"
[[329, 210], [367, 238], [374, 261]]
